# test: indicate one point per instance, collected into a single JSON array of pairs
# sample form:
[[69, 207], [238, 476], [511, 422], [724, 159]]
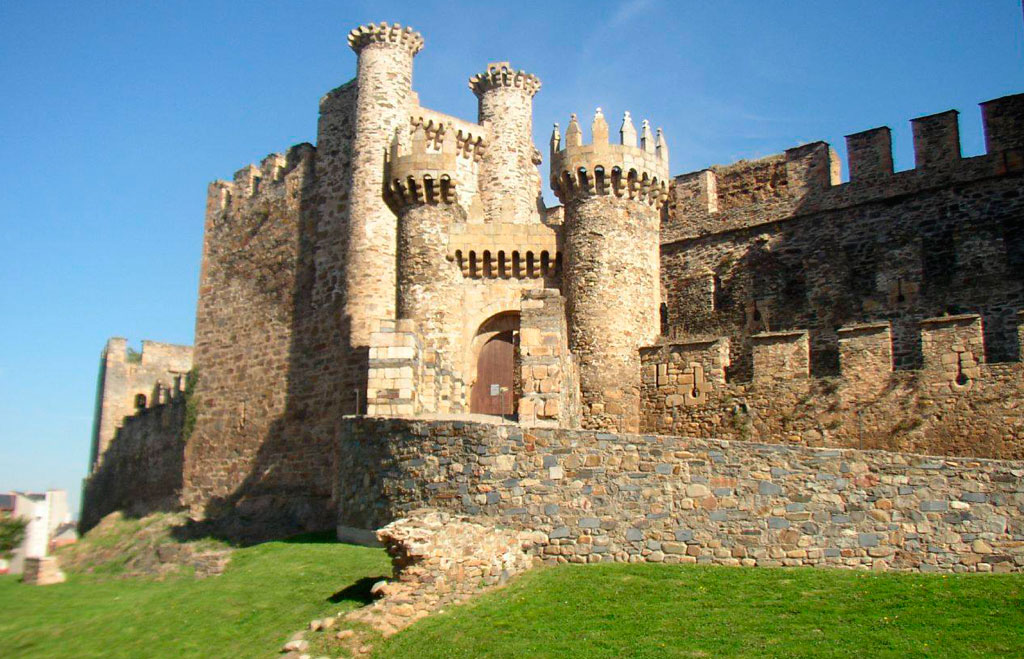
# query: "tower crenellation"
[[501, 75], [638, 172], [368, 36]]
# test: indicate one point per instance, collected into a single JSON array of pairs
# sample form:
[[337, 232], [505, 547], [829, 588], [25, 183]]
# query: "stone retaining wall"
[[606, 497]]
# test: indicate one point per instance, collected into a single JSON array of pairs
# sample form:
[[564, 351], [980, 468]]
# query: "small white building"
[[45, 512]]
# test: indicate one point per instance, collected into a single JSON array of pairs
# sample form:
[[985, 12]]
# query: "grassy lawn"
[[274, 589], [266, 593], [657, 611]]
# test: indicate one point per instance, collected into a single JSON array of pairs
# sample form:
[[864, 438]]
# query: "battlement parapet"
[[387, 34], [470, 138], [1003, 121], [781, 355], [431, 165], [252, 181], [626, 170], [505, 251], [955, 404], [806, 180], [501, 75], [953, 348]]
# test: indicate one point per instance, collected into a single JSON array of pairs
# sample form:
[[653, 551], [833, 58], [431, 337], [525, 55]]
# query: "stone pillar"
[[384, 79], [509, 180], [613, 195]]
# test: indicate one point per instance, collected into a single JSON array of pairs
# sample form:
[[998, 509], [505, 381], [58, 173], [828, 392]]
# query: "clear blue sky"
[[115, 116]]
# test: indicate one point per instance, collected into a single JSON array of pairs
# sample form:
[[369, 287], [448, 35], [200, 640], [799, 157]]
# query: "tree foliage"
[[12, 532]]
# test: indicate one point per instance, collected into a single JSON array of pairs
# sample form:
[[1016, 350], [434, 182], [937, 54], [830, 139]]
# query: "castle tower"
[[613, 196], [509, 180], [384, 79], [422, 189]]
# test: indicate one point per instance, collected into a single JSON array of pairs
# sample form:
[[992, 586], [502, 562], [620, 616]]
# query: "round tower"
[[613, 196], [384, 97], [422, 188], [509, 180]]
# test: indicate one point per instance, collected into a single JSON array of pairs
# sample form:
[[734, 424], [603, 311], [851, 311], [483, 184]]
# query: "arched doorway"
[[496, 346]]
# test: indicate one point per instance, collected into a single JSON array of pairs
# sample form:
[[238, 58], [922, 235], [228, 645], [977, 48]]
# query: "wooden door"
[[494, 391]]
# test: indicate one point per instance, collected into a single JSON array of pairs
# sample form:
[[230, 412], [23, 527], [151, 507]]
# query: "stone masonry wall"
[[243, 454], [608, 497], [955, 405], [608, 245], [142, 468], [944, 237], [548, 371], [127, 384]]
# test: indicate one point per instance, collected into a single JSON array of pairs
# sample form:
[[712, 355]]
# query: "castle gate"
[[496, 345]]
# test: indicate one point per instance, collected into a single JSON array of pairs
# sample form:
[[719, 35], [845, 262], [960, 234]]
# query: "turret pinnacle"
[[556, 139], [646, 137], [627, 133], [661, 146], [599, 129], [573, 134]]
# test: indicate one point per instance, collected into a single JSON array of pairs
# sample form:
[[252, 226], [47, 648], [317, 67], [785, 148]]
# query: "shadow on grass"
[[358, 592], [193, 530]]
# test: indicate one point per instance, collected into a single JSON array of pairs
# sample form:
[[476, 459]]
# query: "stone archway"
[[495, 350]]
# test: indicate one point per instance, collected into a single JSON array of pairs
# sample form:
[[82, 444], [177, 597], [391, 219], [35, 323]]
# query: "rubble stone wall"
[[955, 405], [142, 468], [253, 284], [607, 497], [128, 384], [745, 251]]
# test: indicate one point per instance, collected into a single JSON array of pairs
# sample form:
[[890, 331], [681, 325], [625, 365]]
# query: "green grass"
[[651, 610], [267, 592], [272, 590]]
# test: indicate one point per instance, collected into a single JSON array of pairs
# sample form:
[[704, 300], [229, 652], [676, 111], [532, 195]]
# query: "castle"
[[368, 303]]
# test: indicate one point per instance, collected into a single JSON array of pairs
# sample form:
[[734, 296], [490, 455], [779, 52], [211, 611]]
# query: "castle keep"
[[393, 318]]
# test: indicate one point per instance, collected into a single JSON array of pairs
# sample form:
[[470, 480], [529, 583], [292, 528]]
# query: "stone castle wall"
[[128, 383], [746, 250], [609, 497], [365, 275], [257, 263], [956, 404], [142, 468]]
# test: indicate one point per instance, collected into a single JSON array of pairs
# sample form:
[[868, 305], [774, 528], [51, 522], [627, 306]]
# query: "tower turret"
[[509, 180], [425, 188], [384, 97], [613, 196]]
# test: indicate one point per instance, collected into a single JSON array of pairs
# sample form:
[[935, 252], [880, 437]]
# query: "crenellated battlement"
[[266, 179], [626, 170], [954, 404], [431, 164], [470, 138], [501, 75], [384, 33], [953, 349], [807, 179]]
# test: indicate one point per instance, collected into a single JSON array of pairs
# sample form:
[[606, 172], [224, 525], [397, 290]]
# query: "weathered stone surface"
[[372, 273], [622, 514]]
